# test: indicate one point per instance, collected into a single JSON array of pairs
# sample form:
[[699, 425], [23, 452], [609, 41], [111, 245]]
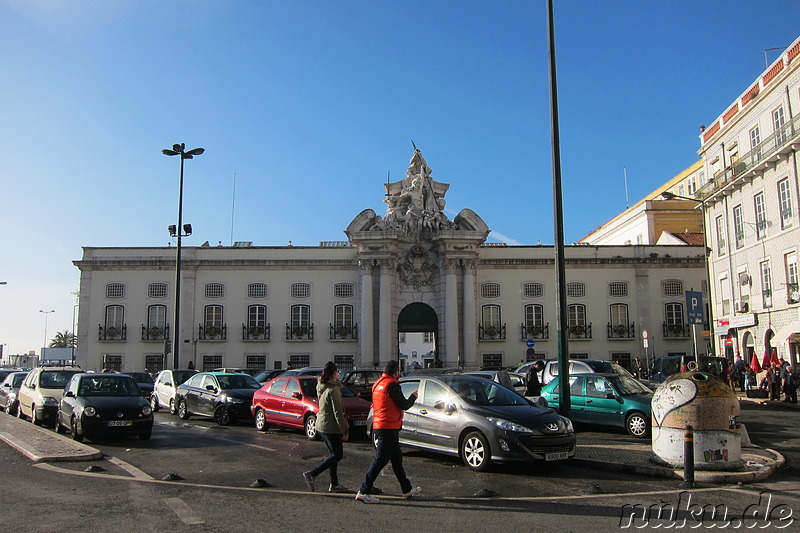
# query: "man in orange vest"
[[388, 405]]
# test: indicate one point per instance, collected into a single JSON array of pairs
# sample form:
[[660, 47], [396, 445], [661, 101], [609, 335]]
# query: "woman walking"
[[332, 426]]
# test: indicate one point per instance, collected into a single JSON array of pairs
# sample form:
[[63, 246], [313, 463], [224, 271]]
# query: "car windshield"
[[140, 377], [182, 375], [600, 367], [105, 385], [482, 391], [238, 381], [621, 370], [55, 379], [628, 385]]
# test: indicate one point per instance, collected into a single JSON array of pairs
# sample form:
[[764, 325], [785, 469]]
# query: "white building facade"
[[750, 198], [411, 271]]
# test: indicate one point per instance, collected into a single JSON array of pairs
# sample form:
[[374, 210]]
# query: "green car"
[[606, 399]]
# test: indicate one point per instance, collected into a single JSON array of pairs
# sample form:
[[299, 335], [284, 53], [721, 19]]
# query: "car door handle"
[[423, 411], [588, 401]]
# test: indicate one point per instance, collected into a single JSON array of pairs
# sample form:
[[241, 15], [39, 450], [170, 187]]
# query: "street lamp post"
[[666, 195], [45, 326], [179, 149]]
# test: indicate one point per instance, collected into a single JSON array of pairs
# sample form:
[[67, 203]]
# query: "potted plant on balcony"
[[299, 331]]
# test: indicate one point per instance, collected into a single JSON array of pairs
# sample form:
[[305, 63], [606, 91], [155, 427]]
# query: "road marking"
[[184, 512], [129, 468]]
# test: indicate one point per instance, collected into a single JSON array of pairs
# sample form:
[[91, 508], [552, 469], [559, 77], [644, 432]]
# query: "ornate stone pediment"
[[417, 270]]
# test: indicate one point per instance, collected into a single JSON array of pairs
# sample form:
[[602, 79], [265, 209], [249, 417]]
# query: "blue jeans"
[[388, 450], [335, 454]]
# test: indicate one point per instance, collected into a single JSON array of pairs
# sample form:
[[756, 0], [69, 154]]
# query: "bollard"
[[688, 458]]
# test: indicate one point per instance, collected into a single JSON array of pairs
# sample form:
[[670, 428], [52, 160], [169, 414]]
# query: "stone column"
[[470, 337], [385, 313], [451, 313], [366, 340]]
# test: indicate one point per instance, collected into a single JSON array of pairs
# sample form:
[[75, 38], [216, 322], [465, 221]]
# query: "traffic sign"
[[530, 352], [530, 343], [694, 307], [644, 333]]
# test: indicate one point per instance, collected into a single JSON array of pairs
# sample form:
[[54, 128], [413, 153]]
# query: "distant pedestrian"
[[533, 386], [332, 426], [388, 405], [190, 366], [774, 375], [789, 385], [638, 368]]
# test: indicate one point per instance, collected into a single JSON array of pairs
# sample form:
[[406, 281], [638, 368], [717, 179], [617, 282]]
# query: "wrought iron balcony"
[[580, 331], [344, 332], [300, 333], [621, 331], [535, 332], [212, 333], [491, 333], [113, 333], [676, 331], [155, 333], [255, 333]]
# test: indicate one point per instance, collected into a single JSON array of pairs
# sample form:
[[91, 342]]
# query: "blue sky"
[[309, 104]]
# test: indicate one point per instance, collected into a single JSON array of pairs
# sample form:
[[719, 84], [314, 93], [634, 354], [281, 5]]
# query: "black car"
[[8, 392], [221, 395], [97, 404], [361, 382], [145, 382], [266, 375]]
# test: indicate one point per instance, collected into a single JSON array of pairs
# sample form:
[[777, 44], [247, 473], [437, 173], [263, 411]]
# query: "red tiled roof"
[[690, 238]]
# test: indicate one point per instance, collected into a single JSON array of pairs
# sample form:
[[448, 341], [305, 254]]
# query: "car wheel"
[[183, 411], [261, 420], [34, 418], [59, 428], [154, 403], [222, 415], [10, 408], [76, 435], [637, 425], [311, 427], [145, 435], [172, 409], [475, 451]]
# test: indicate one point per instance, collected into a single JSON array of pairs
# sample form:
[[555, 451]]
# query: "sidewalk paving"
[[40, 444]]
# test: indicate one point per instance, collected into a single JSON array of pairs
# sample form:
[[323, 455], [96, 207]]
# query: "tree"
[[64, 339]]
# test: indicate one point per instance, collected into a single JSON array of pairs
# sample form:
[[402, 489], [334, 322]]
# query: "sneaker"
[[412, 492], [309, 479], [367, 498], [338, 488]]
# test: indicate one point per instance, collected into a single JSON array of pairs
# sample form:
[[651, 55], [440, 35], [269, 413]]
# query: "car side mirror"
[[7, 385], [167, 384], [211, 388], [611, 396], [69, 394], [297, 395]]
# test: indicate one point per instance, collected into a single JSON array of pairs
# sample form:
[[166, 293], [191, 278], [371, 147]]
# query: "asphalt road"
[[217, 465]]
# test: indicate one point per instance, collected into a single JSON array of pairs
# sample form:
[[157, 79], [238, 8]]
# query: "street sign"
[[530, 352], [694, 307], [644, 343], [530, 343], [644, 333]]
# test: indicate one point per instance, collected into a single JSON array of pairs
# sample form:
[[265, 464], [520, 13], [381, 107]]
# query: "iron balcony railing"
[[676, 331], [155, 333], [300, 333], [491, 333], [541, 331], [580, 331], [255, 333], [621, 331], [212, 333], [113, 333], [344, 332], [763, 151]]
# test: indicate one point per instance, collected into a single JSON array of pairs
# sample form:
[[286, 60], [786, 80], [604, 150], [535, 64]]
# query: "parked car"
[[266, 375], [164, 389], [665, 366], [606, 399], [223, 396], [433, 371], [145, 382], [4, 372], [518, 381], [291, 402], [579, 366], [361, 381], [305, 371], [9, 389], [41, 391], [482, 422], [248, 371], [98, 404]]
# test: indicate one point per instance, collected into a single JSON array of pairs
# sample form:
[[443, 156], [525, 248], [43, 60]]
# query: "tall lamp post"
[[45, 326], [666, 195], [178, 231]]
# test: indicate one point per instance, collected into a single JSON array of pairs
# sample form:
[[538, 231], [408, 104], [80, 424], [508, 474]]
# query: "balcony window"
[[257, 327], [738, 225], [213, 327], [342, 327], [785, 199]]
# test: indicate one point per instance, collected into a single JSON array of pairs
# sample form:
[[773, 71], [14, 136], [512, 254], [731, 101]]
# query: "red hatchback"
[[291, 402]]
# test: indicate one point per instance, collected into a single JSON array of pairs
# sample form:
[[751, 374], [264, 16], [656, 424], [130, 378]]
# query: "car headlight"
[[509, 426], [50, 401], [89, 411], [146, 410], [567, 423], [235, 400]]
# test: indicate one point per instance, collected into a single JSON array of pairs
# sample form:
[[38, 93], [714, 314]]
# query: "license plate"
[[555, 456], [359, 422], [114, 423]]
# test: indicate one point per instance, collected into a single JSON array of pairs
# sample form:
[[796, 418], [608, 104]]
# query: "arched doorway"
[[417, 325]]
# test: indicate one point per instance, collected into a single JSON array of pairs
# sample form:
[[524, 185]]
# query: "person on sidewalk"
[[388, 406], [789, 385], [533, 387], [774, 375], [332, 426]]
